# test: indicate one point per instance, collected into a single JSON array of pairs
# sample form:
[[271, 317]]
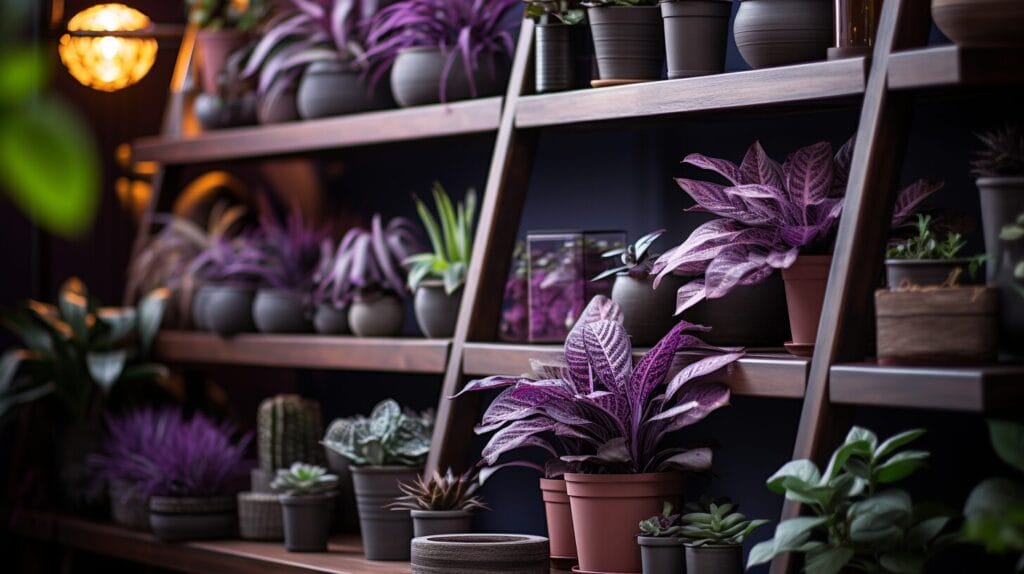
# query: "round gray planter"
[[278, 107], [480, 554], [1002, 199], [695, 36], [229, 309], [555, 66], [377, 317], [386, 533], [416, 78], [436, 311], [648, 313], [927, 272], [435, 522], [199, 305], [279, 311], [662, 555], [714, 559], [629, 42], [329, 320], [174, 519], [335, 88], [307, 522], [780, 32]]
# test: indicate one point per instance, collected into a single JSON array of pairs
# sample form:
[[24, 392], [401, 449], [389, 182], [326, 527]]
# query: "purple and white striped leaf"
[[722, 167], [699, 368], [609, 353], [808, 173], [911, 197]]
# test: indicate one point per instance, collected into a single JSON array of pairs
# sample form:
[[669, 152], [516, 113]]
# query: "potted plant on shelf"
[[227, 273], [714, 531], [307, 493], [853, 523], [613, 419], [441, 504], [979, 23], [771, 216], [386, 449], [994, 511], [223, 25], [437, 277], [556, 43], [661, 548], [442, 50], [235, 102], [288, 430], [772, 33], [629, 41], [924, 259], [695, 36]]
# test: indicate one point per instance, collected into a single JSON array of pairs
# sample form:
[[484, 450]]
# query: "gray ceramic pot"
[[480, 554], [229, 309], [436, 311], [199, 305], [278, 107], [648, 313], [279, 311], [214, 111], [127, 508], [662, 555], [749, 316], [926, 273], [714, 559], [386, 533], [331, 321], [335, 88], [554, 66], [176, 519], [434, 522], [780, 32], [347, 516], [1002, 200], [629, 42], [380, 316], [695, 36], [416, 78], [307, 522]]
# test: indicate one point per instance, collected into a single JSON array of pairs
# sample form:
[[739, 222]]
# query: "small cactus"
[[289, 431]]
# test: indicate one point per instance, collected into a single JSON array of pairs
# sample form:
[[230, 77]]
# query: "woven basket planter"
[[259, 516], [480, 554]]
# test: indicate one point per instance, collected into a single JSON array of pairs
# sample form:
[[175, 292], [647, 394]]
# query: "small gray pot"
[[336, 88], [381, 316], [662, 555], [278, 107], [434, 522], [416, 78], [436, 311], [229, 309], [199, 304], [347, 515], [629, 42], [307, 522], [648, 313], [926, 272], [714, 559], [695, 36], [279, 311], [329, 320], [386, 533], [127, 508], [175, 519]]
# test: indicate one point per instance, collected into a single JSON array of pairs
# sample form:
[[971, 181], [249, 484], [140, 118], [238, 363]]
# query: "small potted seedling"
[[661, 548], [926, 259], [442, 504], [307, 494], [714, 534]]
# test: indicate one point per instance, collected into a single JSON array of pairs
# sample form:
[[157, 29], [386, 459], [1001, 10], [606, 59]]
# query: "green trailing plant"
[[1014, 233], [565, 11], [78, 350], [289, 429], [1002, 154], [442, 492], [227, 14], [857, 520], [301, 479], [636, 258], [994, 510], [390, 436], [451, 241], [713, 522], [662, 525]]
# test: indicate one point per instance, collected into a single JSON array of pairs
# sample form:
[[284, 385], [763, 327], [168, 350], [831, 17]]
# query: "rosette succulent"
[[303, 479]]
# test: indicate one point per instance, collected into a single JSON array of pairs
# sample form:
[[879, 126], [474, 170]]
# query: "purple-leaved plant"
[[291, 252], [768, 214], [234, 261], [130, 440], [607, 414]]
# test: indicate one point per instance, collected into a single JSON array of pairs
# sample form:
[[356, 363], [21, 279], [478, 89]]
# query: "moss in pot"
[[441, 504], [714, 533], [307, 493], [925, 259]]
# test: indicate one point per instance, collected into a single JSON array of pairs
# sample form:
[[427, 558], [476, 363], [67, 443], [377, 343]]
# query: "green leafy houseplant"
[[441, 492], [926, 245], [994, 510], [303, 480], [451, 241], [390, 436], [637, 259], [716, 523], [565, 11], [662, 525], [854, 524]]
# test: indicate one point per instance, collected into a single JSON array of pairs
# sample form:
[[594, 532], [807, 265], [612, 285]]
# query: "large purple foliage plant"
[[291, 252], [606, 414], [768, 213]]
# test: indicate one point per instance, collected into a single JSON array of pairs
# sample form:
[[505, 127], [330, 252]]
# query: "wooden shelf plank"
[[423, 122], [946, 66], [984, 389], [812, 82], [305, 351], [758, 374]]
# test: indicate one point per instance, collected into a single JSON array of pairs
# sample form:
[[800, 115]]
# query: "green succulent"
[[452, 241], [715, 522], [662, 525], [388, 437], [302, 479], [565, 11]]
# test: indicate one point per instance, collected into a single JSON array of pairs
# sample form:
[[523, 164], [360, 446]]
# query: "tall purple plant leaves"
[[517, 435], [577, 358], [742, 266], [383, 257], [692, 460], [808, 174], [757, 167], [705, 398], [841, 168], [722, 167], [609, 353], [910, 198], [489, 383], [690, 294], [699, 368], [652, 368]]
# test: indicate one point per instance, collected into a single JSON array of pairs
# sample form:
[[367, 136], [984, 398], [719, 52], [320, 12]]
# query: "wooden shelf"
[[305, 351], [344, 554], [758, 374], [423, 122], [946, 66], [815, 82], [984, 389]]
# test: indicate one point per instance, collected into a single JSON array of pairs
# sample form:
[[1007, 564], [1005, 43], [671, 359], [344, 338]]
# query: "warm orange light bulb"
[[107, 63]]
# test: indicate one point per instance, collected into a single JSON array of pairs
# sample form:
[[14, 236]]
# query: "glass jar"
[[856, 25]]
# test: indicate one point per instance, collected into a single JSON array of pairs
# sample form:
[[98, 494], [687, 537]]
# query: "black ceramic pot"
[[380, 316], [279, 311], [417, 72], [629, 42], [554, 66], [434, 522], [386, 533], [779, 32], [436, 311], [695, 36], [336, 88], [176, 519], [662, 555], [229, 309], [714, 559], [647, 313], [307, 522], [749, 316]]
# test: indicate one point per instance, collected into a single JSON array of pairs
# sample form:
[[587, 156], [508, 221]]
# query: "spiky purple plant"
[[291, 252], [237, 261], [125, 456]]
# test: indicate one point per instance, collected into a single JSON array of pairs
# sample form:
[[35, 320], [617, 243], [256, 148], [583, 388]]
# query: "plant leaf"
[[105, 368], [1008, 442]]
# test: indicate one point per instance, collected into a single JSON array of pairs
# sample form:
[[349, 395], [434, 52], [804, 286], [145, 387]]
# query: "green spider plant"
[[451, 240]]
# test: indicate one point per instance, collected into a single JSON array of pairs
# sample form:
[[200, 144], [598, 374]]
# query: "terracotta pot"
[[380, 316], [279, 107], [662, 555], [980, 22], [748, 316], [554, 66], [1002, 199], [186, 518], [214, 47], [229, 309], [559, 520], [648, 313], [435, 522], [307, 522], [806, 281], [480, 554], [927, 272], [331, 321], [436, 311], [780, 32], [279, 311], [714, 559], [386, 533], [606, 509], [336, 88], [695, 36], [417, 72], [629, 42]]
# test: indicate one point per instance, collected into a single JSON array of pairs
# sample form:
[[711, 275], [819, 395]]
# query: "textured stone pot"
[[555, 66], [662, 555], [1002, 199], [331, 321], [714, 559], [214, 47], [748, 316], [780, 32], [386, 533], [229, 309], [927, 272], [380, 316], [279, 311], [695, 36], [435, 522], [307, 522], [335, 88], [558, 514], [417, 72], [806, 281], [127, 508], [176, 519], [480, 554], [980, 22], [199, 304], [278, 106], [606, 509], [436, 311], [629, 42]]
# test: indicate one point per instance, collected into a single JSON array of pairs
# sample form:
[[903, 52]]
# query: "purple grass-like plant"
[[291, 252], [607, 414], [229, 261], [128, 445]]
